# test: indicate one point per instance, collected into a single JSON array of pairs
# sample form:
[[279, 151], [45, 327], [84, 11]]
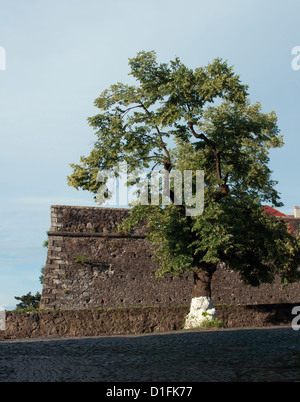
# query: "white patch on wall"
[[2, 319], [201, 310]]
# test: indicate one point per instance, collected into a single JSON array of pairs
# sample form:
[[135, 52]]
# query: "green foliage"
[[135, 121], [212, 323], [28, 301], [42, 276], [82, 259], [234, 231], [202, 119]]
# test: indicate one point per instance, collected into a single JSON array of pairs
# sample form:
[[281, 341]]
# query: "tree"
[[28, 301], [202, 119], [42, 276]]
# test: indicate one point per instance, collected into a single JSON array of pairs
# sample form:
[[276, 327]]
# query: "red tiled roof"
[[273, 211]]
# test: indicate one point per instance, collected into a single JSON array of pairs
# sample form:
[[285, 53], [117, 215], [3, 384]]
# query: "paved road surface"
[[271, 354]]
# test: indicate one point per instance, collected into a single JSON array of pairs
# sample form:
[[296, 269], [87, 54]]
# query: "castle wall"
[[89, 265]]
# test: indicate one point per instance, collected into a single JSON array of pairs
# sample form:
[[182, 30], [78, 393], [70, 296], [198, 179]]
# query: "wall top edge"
[[89, 207], [61, 206], [53, 233]]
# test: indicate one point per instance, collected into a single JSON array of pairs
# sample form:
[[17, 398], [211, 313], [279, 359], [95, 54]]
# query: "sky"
[[57, 56]]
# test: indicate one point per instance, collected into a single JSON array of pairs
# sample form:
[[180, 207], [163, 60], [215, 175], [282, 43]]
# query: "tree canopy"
[[202, 119]]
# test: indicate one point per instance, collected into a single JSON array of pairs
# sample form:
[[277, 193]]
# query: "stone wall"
[[130, 321], [89, 265]]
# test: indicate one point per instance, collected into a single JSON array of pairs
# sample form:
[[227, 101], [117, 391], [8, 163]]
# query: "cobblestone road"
[[271, 354]]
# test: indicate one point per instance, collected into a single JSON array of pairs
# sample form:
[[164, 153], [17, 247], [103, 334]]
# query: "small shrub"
[[82, 259], [212, 323]]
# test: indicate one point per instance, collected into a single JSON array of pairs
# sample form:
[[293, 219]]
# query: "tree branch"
[[128, 109], [212, 146], [162, 143], [223, 187]]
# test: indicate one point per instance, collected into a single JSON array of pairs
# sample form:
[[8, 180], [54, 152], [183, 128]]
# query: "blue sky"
[[61, 54]]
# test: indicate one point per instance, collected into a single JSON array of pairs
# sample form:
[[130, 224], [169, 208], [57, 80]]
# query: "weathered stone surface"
[[91, 322], [124, 321]]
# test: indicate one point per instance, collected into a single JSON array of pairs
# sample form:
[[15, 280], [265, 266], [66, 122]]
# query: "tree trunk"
[[201, 308], [202, 283]]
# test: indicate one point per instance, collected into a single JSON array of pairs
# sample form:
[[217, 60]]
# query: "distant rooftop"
[[275, 212]]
